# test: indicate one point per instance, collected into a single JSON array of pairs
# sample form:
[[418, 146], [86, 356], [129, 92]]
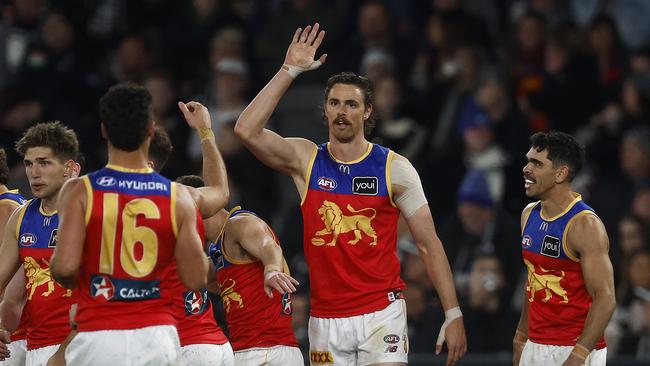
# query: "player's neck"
[[3, 189], [348, 151], [49, 204], [128, 159], [557, 201]]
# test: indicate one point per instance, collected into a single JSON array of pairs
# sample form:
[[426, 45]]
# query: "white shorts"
[[150, 346], [40, 356], [535, 354], [271, 356], [360, 340], [207, 355], [18, 354]]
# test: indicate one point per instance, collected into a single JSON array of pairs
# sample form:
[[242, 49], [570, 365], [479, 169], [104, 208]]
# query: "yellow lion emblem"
[[38, 275], [548, 282], [229, 295], [337, 223]]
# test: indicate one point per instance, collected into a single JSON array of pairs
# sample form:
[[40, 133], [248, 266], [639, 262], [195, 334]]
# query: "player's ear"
[[562, 174], [103, 130]]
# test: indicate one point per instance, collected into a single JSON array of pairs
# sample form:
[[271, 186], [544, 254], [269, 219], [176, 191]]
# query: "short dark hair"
[[62, 140], [160, 148], [126, 112], [4, 168], [191, 180], [360, 82], [562, 149]]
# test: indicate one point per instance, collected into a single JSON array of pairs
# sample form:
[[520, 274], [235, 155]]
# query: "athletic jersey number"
[[131, 235]]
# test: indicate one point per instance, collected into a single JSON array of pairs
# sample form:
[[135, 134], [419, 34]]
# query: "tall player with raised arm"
[[352, 194]]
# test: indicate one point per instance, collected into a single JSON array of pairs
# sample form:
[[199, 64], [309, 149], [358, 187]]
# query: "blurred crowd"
[[459, 86]]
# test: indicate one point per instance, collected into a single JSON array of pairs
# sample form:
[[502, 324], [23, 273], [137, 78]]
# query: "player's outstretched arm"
[[257, 239], [71, 233], [587, 238], [287, 155], [191, 261], [214, 196], [409, 197]]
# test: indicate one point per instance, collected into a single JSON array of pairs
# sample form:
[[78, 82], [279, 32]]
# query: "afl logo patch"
[[106, 181], [526, 242], [327, 184], [27, 239]]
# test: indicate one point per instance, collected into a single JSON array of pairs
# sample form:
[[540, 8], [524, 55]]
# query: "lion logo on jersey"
[[38, 275], [547, 281], [337, 223], [228, 295]]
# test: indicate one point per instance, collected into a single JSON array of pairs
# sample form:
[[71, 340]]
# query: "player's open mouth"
[[528, 182]]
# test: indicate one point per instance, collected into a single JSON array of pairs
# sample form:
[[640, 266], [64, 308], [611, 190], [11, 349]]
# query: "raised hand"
[[196, 115], [302, 50], [279, 281]]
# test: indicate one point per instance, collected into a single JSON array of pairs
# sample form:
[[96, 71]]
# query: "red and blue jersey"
[[254, 319], [193, 310], [350, 233], [557, 295], [124, 279], [48, 302]]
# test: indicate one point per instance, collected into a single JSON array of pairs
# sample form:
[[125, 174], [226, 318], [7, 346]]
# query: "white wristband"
[[450, 315], [294, 71]]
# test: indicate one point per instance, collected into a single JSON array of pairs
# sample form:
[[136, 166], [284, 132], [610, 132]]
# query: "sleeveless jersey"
[[253, 319], [12, 196], [49, 303], [129, 250], [350, 234], [557, 296], [17, 199], [193, 310]]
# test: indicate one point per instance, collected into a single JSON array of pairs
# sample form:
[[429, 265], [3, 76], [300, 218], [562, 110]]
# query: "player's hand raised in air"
[[279, 281], [302, 49], [196, 115]]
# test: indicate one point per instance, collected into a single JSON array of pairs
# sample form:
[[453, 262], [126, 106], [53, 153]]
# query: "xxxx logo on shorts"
[[321, 357]]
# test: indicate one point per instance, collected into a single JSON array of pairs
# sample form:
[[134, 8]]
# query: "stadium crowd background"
[[459, 87]]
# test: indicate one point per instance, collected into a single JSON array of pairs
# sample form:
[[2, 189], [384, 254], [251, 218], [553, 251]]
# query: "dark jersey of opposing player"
[[557, 295], [131, 234]]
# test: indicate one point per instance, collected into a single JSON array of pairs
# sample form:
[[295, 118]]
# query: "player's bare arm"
[[72, 233], [290, 155], [9, 255], [13, 301], [521, 333], [588, 239], [213, 226], [191, 261], [409, 198], [9, 263], [214, 196], [255, 238]]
